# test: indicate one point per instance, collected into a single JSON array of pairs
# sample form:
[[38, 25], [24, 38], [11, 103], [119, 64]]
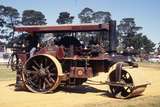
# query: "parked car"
[[154, 59]]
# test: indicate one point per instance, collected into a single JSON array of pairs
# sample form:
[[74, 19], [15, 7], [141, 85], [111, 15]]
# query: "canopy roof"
[[63, 28]]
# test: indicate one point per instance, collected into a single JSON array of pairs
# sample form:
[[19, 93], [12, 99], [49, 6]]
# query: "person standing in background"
[[33, 41]]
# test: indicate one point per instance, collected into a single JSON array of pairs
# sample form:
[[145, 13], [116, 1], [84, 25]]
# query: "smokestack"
[[112, 36]]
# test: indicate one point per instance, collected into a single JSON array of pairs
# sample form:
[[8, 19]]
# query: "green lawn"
[[6, 73], [150, 65], [153, 101]]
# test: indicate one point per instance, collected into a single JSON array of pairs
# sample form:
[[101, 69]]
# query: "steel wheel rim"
[[119, 91], [40, 74]]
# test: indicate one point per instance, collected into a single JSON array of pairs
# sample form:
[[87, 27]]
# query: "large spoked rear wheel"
[[121, 91], [41, 74]]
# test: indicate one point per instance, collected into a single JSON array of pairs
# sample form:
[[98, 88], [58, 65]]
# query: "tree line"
[[10, 17], [129, 34]]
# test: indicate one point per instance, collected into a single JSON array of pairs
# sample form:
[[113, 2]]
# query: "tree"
[[32, 17], [140, 41], [148, 45], [85, 15], [2, 25], [158, 48], [2, 21], [129, 32], [9, 18], [127, 27], [65, 18], [12, 15], [101, 17]]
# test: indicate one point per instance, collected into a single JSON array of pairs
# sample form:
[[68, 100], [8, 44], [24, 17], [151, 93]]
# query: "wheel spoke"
[[31, 82], [117, 90], [31, 72], [126, 76], [41, 74], [49, 66], [35, 62], [44, 85], [40, 83], [34, 77], [46, 80], [121, 91], [52, 74], [125, 92], [35, 68], [51, 79]]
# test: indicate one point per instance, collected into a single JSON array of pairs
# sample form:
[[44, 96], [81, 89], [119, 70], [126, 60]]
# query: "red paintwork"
[[22, 57], [65, 27], [85, 73]]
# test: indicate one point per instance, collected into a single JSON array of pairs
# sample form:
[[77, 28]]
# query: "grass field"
[[148, 64], [151, 97], [6, 73]]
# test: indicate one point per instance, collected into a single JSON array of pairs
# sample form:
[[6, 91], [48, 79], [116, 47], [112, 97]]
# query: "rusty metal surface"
[[122, 84], [65, 27], [78, 68], [80, 72], [98, 58], [137, 90], [43, 73]]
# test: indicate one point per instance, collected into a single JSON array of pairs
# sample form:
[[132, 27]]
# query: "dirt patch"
[[85, 95]]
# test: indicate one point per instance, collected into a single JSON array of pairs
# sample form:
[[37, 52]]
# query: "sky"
[[145, 12]]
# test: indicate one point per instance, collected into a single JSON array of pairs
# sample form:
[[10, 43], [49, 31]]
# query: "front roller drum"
[[41, 73], [124, 88]]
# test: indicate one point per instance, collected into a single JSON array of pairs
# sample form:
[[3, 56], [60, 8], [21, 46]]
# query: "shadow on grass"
[[82, 89]]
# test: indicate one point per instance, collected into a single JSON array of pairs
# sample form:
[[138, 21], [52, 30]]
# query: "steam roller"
[[42, 73], [124, 82]]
